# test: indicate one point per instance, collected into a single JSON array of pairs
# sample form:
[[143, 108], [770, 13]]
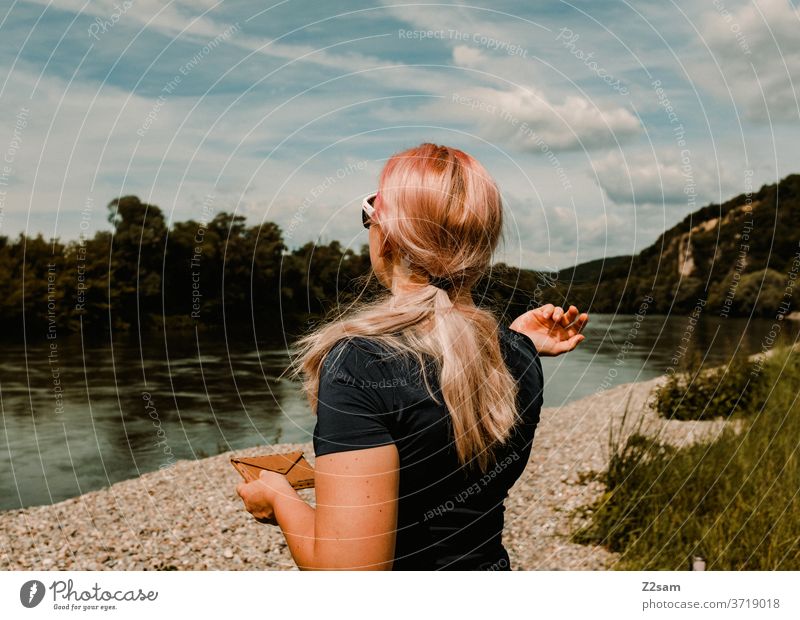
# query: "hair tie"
[[443, 283]]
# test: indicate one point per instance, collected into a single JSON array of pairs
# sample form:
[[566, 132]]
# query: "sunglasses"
[[368, 210]]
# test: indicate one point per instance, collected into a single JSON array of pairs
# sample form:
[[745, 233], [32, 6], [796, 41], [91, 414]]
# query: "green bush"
[[705, 393], [733, 499]]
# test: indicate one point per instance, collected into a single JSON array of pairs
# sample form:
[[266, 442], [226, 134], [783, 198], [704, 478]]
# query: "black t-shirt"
[[449, 516]]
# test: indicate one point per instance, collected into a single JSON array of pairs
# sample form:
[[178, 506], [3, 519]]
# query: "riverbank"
[[189, 517]]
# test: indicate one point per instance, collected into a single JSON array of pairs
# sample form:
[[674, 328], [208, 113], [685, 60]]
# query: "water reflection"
[[128, 409]]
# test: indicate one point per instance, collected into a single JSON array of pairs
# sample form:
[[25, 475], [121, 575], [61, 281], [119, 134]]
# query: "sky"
[[603, 123]]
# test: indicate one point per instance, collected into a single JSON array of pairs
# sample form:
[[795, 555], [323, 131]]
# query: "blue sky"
[[603, 122]]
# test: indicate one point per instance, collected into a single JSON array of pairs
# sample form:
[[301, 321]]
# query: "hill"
[[592, 270], [739, 258]]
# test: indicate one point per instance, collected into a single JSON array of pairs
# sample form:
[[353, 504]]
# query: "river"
[[79, 416]]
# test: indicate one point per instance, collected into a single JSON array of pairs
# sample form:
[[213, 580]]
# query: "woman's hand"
[[551, 329], [259, 495]]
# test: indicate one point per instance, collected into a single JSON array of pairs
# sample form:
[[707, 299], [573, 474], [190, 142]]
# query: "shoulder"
[[355, 356], [354, 409], [525, 364]]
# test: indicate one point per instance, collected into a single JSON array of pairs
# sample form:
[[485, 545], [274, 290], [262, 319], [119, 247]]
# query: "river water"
[[79, 416]]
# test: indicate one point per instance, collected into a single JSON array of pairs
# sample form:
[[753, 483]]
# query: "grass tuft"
[[734, 499]]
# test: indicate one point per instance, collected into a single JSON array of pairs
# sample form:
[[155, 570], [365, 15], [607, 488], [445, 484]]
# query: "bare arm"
[[354, 523]]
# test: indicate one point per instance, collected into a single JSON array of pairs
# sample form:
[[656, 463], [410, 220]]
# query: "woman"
[[426, 407]]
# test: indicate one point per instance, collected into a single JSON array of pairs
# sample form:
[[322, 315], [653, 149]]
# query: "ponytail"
[[462, 340]]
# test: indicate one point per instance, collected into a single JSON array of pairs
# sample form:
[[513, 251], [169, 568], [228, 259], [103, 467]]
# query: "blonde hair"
[[442, 211]]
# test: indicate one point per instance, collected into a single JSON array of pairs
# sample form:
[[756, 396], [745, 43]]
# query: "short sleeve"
[[524, 360], [354, 409]]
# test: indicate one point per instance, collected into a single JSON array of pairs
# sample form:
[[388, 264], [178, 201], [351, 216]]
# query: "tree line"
[[143, 275]]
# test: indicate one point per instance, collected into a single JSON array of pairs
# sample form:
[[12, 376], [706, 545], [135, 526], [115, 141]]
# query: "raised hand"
[[553, 330]]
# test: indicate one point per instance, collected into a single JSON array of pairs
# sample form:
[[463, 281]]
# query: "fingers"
[[552, 313], [574, 322], [268, 520], [547, 310], [580, 323], [571, 318], [566, 317], [568, 345]]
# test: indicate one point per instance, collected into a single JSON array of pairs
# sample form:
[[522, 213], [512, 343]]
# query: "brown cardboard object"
[[291, 464]]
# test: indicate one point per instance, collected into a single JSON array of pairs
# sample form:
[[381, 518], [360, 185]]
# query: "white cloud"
[[182, 19], [666, 178], [466, 56], [556, 236], [757, 47], [534, 122]]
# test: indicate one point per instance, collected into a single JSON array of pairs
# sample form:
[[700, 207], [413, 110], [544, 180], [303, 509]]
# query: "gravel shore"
[[154, 523]]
